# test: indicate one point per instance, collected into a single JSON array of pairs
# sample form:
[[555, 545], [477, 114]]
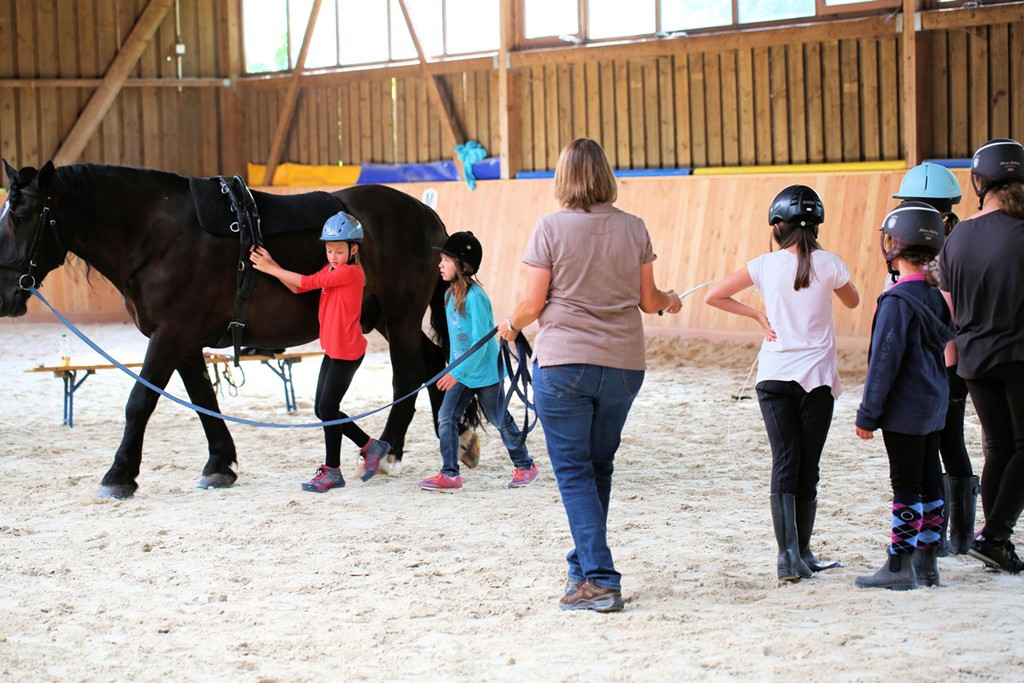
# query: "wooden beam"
[[510, 123], [94, 111], [89, 83], [911, 105], [362, 73], [284, 120], [718, 42], [451, 130], [234, 143], [965, 17]]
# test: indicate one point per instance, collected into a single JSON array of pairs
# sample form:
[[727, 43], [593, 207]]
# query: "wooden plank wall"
[[378, 120], [785, 104], [156, 127], [969, 108], [702, 228]]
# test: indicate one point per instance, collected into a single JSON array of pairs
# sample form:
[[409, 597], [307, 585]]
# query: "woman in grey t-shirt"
[[589, 274]]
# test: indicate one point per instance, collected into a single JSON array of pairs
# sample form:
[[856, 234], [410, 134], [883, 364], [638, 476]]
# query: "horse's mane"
[[78, 194]]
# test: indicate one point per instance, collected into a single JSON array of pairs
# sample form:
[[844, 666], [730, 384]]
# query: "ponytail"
[[1011, 198], [806, 240]]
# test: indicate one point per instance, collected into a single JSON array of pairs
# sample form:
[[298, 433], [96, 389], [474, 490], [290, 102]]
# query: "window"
[[611, 19], [351, 32]]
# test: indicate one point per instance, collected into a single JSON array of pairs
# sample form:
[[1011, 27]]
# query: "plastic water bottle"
[[65, 350]]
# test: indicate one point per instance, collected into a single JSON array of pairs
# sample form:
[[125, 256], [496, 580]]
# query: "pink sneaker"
[[442, 482], [523, 477], [325, 479]]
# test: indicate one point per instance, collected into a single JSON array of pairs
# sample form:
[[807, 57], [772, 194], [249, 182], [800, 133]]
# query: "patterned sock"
[[906, 524], [933, 514]]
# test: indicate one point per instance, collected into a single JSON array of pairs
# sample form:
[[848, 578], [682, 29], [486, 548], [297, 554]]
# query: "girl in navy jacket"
[[906, 393]]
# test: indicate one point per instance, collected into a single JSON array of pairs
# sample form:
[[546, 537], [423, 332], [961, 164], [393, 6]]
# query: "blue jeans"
[[583, 409], [453, 408]]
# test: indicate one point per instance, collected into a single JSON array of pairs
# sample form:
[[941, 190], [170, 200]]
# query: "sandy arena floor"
[[382, 581]]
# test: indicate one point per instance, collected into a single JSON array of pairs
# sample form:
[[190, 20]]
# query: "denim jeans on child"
[[453, 408], [583, 409]]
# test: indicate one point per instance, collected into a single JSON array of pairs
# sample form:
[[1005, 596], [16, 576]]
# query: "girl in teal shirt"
[[469, 318]]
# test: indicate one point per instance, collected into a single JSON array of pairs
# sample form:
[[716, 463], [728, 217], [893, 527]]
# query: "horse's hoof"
[[117, 491], [469, 449], [216, 480], [390, 465]]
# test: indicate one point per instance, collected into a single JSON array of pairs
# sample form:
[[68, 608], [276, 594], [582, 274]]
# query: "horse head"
[[30, 246]]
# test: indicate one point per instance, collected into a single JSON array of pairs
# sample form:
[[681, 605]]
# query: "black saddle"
[[278, 213]]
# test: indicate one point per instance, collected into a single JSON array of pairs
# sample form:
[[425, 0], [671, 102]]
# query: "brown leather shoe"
[[589, 596]]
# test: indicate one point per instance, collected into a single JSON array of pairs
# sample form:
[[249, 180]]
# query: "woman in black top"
[[982, 273]]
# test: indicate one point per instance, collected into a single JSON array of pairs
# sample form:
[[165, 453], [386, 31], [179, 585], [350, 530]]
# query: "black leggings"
[[951, 440], [914, 465], [797, 422], [998, 397], [335, 378]]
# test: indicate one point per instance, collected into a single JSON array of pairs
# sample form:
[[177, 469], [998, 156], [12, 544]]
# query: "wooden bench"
[[280, 364]]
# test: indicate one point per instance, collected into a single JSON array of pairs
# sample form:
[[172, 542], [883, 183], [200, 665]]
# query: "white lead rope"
[[690, 291]]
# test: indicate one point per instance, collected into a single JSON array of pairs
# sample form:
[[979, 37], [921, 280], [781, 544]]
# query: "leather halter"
[[28, 262]]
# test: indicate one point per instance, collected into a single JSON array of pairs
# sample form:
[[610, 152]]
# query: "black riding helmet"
[[798, 205], [464, 247], [911, 226], [997, 161]]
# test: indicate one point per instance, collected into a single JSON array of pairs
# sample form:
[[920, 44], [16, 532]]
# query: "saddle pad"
[[278, 213]]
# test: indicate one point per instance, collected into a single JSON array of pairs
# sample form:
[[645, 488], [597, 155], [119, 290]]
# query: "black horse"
[[142, 230]]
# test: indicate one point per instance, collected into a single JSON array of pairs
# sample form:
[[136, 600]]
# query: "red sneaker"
[[372, 453], [523, 477], [442, 482], [325, 479]]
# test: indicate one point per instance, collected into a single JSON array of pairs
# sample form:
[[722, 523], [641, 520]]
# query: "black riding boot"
[[944, 549], [961, 509], [805, 514], [926, 567], [791, 567], [896, 574]]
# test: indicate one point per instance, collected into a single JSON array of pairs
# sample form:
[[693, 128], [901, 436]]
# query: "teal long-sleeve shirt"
[[480, 369]]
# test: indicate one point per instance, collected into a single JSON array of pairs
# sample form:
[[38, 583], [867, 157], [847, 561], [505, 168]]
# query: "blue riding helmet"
[[930, 183], [342, 227]]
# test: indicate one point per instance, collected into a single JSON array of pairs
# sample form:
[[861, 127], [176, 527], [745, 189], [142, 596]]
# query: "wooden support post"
[[284, 120], [234, 147], [451, 129], [911, 105], [509, 112], [92, 115]]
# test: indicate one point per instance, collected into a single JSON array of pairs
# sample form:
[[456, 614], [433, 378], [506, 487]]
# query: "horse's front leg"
[[119, 481], [194, 374]]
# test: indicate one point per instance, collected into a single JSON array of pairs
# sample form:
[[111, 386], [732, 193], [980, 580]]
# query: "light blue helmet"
[[342, 227], [932, 184]]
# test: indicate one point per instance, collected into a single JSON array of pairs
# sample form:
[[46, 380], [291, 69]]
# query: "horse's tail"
[[438, 321]]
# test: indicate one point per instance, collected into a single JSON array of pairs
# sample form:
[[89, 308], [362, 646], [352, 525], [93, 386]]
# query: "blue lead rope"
[[240, 420]]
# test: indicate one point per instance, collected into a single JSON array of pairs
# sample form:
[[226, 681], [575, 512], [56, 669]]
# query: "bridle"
[[28, 263]]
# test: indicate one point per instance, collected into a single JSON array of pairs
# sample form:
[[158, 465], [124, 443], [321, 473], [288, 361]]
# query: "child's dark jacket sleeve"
[[888, 344]]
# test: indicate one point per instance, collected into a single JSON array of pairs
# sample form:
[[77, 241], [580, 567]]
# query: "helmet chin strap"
[[893, 273]]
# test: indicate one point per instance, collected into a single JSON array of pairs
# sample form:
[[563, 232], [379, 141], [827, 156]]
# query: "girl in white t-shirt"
[[797, 376]]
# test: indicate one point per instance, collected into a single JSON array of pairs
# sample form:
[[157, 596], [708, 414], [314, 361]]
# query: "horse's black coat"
[[140, 229]]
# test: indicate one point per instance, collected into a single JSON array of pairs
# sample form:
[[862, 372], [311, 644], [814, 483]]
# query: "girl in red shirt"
[[341, 294]]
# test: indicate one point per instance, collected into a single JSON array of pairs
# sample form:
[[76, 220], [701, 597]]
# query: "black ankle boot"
[[926, 567], [999, 555], [790, 566], [961, 509], [805, 514], [896, 574]]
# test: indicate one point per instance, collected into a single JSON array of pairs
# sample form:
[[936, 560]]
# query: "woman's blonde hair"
[[583, 176]]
